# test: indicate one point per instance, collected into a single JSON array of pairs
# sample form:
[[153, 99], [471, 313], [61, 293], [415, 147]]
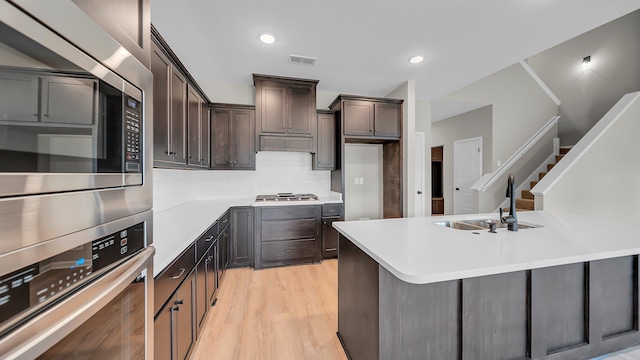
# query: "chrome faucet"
[[512, 219]]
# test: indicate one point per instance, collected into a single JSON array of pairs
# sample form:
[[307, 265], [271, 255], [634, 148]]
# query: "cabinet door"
[[164, 335], [387, 120], [69, 100], [274, 109], [178, 110], [358, 117], [205, 133], [241, 237], [329, 238], [212, 278], [299, 114], [185, 316], [161, 70], [193, 126], [220, 146], [202, 301], [326, 154], [243, 139], [222, 248], [18, 97]]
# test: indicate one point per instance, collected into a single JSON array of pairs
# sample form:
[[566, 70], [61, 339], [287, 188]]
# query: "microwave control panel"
[[46, 281], [133, 134]]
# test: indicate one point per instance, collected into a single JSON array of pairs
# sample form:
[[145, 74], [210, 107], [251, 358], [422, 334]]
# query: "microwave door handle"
[[30, 340]]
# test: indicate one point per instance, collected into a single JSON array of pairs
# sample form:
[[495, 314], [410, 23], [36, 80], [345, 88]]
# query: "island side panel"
[[620, 296], [559, 308], [419, 321], [495, 317], [357, 302]]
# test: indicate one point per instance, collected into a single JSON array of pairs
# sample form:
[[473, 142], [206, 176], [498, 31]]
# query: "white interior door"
[[419, 175], [467, 169]]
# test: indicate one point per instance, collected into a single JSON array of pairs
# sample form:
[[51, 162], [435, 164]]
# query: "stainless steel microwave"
[[75, 107]]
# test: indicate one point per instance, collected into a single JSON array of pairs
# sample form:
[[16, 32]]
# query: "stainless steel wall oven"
[[75, 187]]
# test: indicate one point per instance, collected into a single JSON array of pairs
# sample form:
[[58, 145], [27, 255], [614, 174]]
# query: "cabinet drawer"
[[289, 212], [205, 241], [289, 250], [288, 229], [223, 221], [332, 210], [170, 278]]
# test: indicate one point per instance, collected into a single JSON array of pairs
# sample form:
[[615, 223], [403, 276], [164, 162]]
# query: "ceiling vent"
[[302, 60]]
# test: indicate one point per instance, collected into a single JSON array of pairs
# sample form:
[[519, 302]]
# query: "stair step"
[[558, 158], [532, 184], [541, 175], [550, 166], [527, 204], [564, 150], [526, 194]]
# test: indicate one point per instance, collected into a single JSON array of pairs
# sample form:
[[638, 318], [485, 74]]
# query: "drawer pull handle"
[[179, 274], [332, 249], [179, 302], [288, 229], [288, 250], [225, 220], [209, 238]]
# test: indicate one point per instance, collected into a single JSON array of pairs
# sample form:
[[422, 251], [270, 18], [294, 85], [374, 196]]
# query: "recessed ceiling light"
[[267, 38], [416, 59]]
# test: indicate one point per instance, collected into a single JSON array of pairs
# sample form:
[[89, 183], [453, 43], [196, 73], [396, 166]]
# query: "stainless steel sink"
[[480, 224]]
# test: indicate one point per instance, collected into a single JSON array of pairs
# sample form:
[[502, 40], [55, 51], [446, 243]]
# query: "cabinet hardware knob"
[[225, 220], [46, 115], [332, 249], [167, 152], [419, 192], [324, 222], [190, 157], [179, 302], [35, 114], [175, 308], [370, 130], [234, 161], [209, 238]]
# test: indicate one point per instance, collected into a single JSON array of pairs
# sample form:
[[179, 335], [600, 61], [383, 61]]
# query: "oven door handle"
[[39, 334]]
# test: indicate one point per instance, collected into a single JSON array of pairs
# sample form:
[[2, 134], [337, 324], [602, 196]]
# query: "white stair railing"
[[487, 180]]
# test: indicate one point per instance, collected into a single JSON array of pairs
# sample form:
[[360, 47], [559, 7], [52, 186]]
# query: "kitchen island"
[[411, 289]]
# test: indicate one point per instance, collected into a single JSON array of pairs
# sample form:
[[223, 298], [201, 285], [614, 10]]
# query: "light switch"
[[361, 180], [357, 180]]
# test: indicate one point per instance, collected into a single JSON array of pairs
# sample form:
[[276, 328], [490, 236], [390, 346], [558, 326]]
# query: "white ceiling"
[[363, 47]]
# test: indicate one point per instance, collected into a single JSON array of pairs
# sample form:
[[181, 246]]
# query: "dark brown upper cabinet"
[[232, 137], [325, 156], [369, 117], [169, 107], [285, 110], [198, 130]]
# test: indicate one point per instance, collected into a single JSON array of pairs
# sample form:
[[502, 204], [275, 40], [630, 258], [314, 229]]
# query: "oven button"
[[123, 250], [123, 242]]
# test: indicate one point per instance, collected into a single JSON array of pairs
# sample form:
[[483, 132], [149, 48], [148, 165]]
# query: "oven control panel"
[[49, 279], [133, 134]]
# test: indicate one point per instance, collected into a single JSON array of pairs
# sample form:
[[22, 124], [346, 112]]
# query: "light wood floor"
[[282, 313]]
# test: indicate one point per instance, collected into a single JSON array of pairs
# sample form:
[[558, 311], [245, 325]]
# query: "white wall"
[[423, 124], [407, 92], [600, 175], [475, 123], [520, 108], [588, 93], [275, 172], [363, 200]]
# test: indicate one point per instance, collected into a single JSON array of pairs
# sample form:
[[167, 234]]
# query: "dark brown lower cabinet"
[[329, 238], [223, 241], [572, 311], [202, 302], [241, 244], [175, 324]]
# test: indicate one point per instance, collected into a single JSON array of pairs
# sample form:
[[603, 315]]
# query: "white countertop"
[[176, 228], [420, 252]]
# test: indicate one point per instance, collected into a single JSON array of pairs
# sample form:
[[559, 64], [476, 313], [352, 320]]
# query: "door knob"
[[419, 192], [457, 189]]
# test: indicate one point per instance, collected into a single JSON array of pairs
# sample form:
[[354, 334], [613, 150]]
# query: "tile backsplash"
[[275, 172]]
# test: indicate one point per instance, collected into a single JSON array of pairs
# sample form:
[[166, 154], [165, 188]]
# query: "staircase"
[[526, 200]]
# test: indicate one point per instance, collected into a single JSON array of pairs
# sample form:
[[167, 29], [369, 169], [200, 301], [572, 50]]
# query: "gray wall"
[[363, 200], [520, 108], [476, 123], [423, 124], [588, 93]]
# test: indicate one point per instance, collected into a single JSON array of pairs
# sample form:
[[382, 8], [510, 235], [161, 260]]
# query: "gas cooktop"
[[287, 197]]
